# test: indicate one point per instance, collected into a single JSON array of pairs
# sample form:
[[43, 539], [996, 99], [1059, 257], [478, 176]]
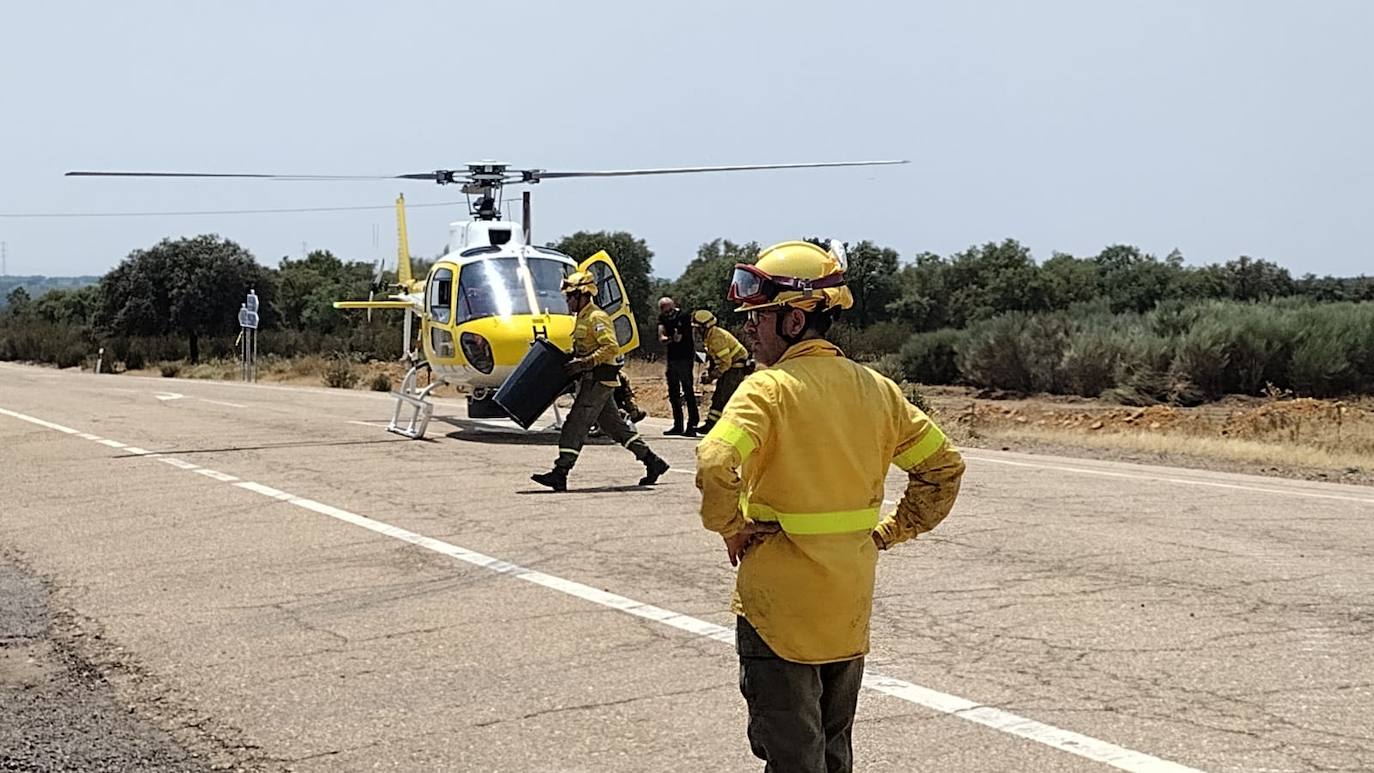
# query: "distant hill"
[[36, 286]]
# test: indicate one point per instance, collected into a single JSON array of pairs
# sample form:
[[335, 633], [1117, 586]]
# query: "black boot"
[[705, 428], [654, 467], [556, 479], [677, 421]]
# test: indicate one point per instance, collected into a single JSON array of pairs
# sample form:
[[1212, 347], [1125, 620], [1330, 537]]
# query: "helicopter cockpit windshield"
[[493, 287]]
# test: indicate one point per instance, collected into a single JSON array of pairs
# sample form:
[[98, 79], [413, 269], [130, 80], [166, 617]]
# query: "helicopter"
[[493, 292]]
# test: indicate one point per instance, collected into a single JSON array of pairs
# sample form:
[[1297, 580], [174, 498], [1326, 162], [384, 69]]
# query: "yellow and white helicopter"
[[486, 300]]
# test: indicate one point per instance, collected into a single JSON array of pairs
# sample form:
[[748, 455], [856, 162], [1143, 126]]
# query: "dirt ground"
[[1278, 435]]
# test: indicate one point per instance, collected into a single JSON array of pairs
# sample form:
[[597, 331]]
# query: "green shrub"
[[1091, 362], [169, 369], [1200, 358], [871, 342], [1017, 352], [991, 355], [932, 358], [74, 355], [135, 359], [1333, 349], [380, 382]]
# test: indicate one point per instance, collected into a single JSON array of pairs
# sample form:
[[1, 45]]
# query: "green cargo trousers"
[[593, 405], [801, 717]]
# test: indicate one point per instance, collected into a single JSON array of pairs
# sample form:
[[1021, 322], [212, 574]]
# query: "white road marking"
[[110, 443], [1166, 479], [137, 450], [87, 436], [221, 402], [988, 716], [220, 476], [369, 424], [267, 491], [39, 422], [178, 463], [168, 395]]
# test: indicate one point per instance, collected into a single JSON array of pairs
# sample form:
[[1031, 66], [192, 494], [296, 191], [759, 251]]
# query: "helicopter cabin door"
[[611, 298]]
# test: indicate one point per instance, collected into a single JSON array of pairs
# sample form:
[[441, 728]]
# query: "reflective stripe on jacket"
[[724, 350]]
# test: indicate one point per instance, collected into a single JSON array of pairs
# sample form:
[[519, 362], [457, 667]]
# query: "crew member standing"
[[596, 363], [792, 477], [675, 333], [727, 363]]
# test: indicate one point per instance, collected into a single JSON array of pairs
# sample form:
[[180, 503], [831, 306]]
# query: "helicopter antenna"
[[525, 218]]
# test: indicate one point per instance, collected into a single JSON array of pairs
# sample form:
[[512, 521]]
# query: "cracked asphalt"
[[1222, 622]]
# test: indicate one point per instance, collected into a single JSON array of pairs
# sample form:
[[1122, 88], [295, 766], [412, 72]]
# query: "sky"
[[1220, 128]]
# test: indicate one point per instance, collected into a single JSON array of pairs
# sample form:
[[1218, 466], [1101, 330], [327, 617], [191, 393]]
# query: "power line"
[[20, 215]]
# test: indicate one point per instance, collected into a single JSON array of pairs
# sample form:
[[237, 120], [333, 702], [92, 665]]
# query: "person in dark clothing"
[[675, 333]]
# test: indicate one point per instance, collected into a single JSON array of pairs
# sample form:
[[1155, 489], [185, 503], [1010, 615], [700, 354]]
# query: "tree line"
[[930, 318]]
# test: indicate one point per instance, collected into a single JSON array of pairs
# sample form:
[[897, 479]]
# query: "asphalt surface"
[[57, 712], [269, 577]]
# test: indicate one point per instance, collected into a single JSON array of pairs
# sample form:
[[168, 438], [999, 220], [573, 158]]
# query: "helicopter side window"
[[608, 295], [441, 296]]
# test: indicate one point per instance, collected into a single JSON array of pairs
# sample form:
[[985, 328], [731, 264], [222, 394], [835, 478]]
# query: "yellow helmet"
[[703, 317], [798, 274], [579, 282]]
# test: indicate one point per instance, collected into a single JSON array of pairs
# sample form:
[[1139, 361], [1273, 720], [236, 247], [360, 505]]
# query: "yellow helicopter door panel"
[[610, 296]]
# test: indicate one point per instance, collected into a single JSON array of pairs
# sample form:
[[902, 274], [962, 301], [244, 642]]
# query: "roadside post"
[[248, 336]]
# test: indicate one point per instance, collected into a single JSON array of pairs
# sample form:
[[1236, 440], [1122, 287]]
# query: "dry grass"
[[1223, 448], [1291, 434]]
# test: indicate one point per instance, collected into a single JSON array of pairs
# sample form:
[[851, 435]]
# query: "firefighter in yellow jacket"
[[596, 363], [792, 477], [727, 363]]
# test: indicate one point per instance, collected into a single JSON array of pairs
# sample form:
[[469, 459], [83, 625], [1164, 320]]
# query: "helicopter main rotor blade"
[[535, 174], [425, 176]]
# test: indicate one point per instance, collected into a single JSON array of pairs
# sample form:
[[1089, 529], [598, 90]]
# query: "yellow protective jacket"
[[594, 343], [724, 350], [807, 444]]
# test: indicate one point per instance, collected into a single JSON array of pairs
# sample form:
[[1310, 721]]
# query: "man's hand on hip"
[[736, 546]]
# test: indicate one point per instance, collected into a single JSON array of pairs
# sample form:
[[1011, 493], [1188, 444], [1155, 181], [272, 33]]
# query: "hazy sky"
[[1219, 128]]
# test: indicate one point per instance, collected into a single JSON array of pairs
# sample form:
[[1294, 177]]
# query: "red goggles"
[[751, 286]]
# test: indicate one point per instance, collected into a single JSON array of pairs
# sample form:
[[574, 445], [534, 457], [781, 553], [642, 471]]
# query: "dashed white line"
[[267, 491], [180, 464], [220, 476], [221, 402], [110, 443], [988, 716], [39, 422]]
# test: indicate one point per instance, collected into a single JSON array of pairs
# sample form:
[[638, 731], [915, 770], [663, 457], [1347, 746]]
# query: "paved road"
[[281, 584]]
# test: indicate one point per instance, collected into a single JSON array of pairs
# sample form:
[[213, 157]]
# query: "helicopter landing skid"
[[421, 409]]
